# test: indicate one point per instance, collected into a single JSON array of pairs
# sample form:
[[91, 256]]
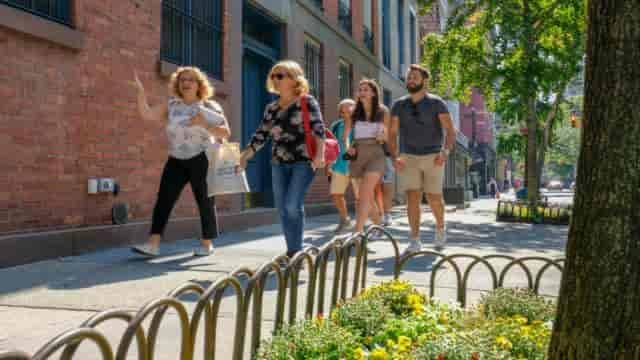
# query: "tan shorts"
[[370, 159], [421, 173], [340, 183]]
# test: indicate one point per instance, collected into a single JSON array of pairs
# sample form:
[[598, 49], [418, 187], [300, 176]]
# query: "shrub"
[[364, 317], [465, 345], [522, 338], [401, 298], [509, 302], [310, 339]]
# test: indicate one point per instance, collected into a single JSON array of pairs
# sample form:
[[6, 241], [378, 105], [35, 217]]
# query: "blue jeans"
[[290, 185]]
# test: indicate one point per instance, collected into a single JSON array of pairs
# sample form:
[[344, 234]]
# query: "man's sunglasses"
[[278, 76], [415, 114]]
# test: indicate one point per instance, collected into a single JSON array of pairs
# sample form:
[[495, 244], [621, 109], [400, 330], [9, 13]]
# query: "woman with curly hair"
[[191, 120]]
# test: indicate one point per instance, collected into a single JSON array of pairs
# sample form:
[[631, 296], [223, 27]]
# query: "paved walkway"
[[41, 300]]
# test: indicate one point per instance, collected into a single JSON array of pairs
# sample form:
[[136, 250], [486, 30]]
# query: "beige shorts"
[[421, 173], [340, 183], [370, 158]]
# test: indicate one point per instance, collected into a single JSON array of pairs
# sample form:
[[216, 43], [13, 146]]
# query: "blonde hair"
[[205, 89], [294, 70], [345, 102]]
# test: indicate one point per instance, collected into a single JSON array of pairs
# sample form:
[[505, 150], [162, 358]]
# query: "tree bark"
[[599, 304], [532, 119], [546, 132]]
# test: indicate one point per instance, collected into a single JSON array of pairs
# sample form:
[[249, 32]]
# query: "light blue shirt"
[[340, 165]]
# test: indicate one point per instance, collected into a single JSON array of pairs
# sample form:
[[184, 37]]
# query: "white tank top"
[[367, 130], [186, 141]]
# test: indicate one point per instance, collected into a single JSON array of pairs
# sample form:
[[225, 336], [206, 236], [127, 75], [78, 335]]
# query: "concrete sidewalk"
[[41, 300]]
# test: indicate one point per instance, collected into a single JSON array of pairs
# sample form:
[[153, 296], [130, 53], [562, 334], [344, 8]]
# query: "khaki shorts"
[[421, 174], [340, 183], [370, 159]]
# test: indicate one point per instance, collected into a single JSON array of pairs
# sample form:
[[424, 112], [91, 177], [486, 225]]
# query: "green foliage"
[[519, 54], [310, 339], [508, 324], [505, 302], [363, 317]]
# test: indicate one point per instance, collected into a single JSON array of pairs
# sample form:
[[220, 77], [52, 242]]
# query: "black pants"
[[175, 176]]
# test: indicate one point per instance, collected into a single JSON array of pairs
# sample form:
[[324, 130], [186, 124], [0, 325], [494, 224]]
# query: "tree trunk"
[[546, 132], [599, 304], [532, 118], [532, 153]]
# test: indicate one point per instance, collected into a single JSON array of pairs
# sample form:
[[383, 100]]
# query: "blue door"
[[261, 43], [254, 98]]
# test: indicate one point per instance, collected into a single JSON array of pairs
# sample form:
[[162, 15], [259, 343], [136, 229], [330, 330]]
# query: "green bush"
[[509, 302], [364, 317], [392, 321], [465, 345], [401, 298], [522, 338], [310, 339]]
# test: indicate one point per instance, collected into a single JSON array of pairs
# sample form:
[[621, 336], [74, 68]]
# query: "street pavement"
[[41, 300]]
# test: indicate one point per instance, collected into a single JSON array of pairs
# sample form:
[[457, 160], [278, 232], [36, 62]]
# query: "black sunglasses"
[[416, 114], [278, 76]]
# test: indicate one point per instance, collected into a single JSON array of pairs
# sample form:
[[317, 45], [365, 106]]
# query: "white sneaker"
[[387, 220], [145, 250], [440, 238], [344, 225], [376, 235], [414, 246], [203, 250]]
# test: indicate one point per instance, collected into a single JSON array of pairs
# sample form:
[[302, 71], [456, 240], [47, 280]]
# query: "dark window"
[[386, 34], [386, 97], [412, 38], [368, 39], [192, 34], [313, 66], [54, 10], [318, 3], [345, 76], [344, 15], [401, 46]]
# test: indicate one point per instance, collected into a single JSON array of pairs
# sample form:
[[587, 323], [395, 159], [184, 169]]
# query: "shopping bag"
[[221, 177]]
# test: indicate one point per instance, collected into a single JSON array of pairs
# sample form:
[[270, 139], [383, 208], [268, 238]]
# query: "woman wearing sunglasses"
[[369, 122], [292, 168]]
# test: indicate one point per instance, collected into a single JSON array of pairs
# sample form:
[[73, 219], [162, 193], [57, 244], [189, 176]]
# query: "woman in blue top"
[[292, 169]]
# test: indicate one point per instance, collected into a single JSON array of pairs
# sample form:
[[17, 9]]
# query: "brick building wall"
[[70, 114]]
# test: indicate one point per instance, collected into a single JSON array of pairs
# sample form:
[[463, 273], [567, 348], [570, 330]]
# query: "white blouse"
[[186, 141]]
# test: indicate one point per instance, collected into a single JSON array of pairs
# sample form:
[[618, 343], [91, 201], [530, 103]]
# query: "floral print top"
[[286, 129]]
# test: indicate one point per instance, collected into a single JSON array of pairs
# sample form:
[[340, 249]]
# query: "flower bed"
[[396, 322], [509, 211]]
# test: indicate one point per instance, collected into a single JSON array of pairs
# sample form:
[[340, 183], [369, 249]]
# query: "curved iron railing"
[[314, 260]]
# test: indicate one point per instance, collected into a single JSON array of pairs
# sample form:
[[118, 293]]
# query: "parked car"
[[555, 185]]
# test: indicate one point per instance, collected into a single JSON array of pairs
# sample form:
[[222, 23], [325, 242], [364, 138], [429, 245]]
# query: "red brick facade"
[[70, 115], [69, 111]]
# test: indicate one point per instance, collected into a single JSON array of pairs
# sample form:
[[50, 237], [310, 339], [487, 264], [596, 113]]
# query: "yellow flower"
[[414, 299], [444, 318], [417, 309], [504, 342], [404, 343], [379, 354], [390, 344], [521, 320], [367, 340], [359, 354], [404, 340]]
